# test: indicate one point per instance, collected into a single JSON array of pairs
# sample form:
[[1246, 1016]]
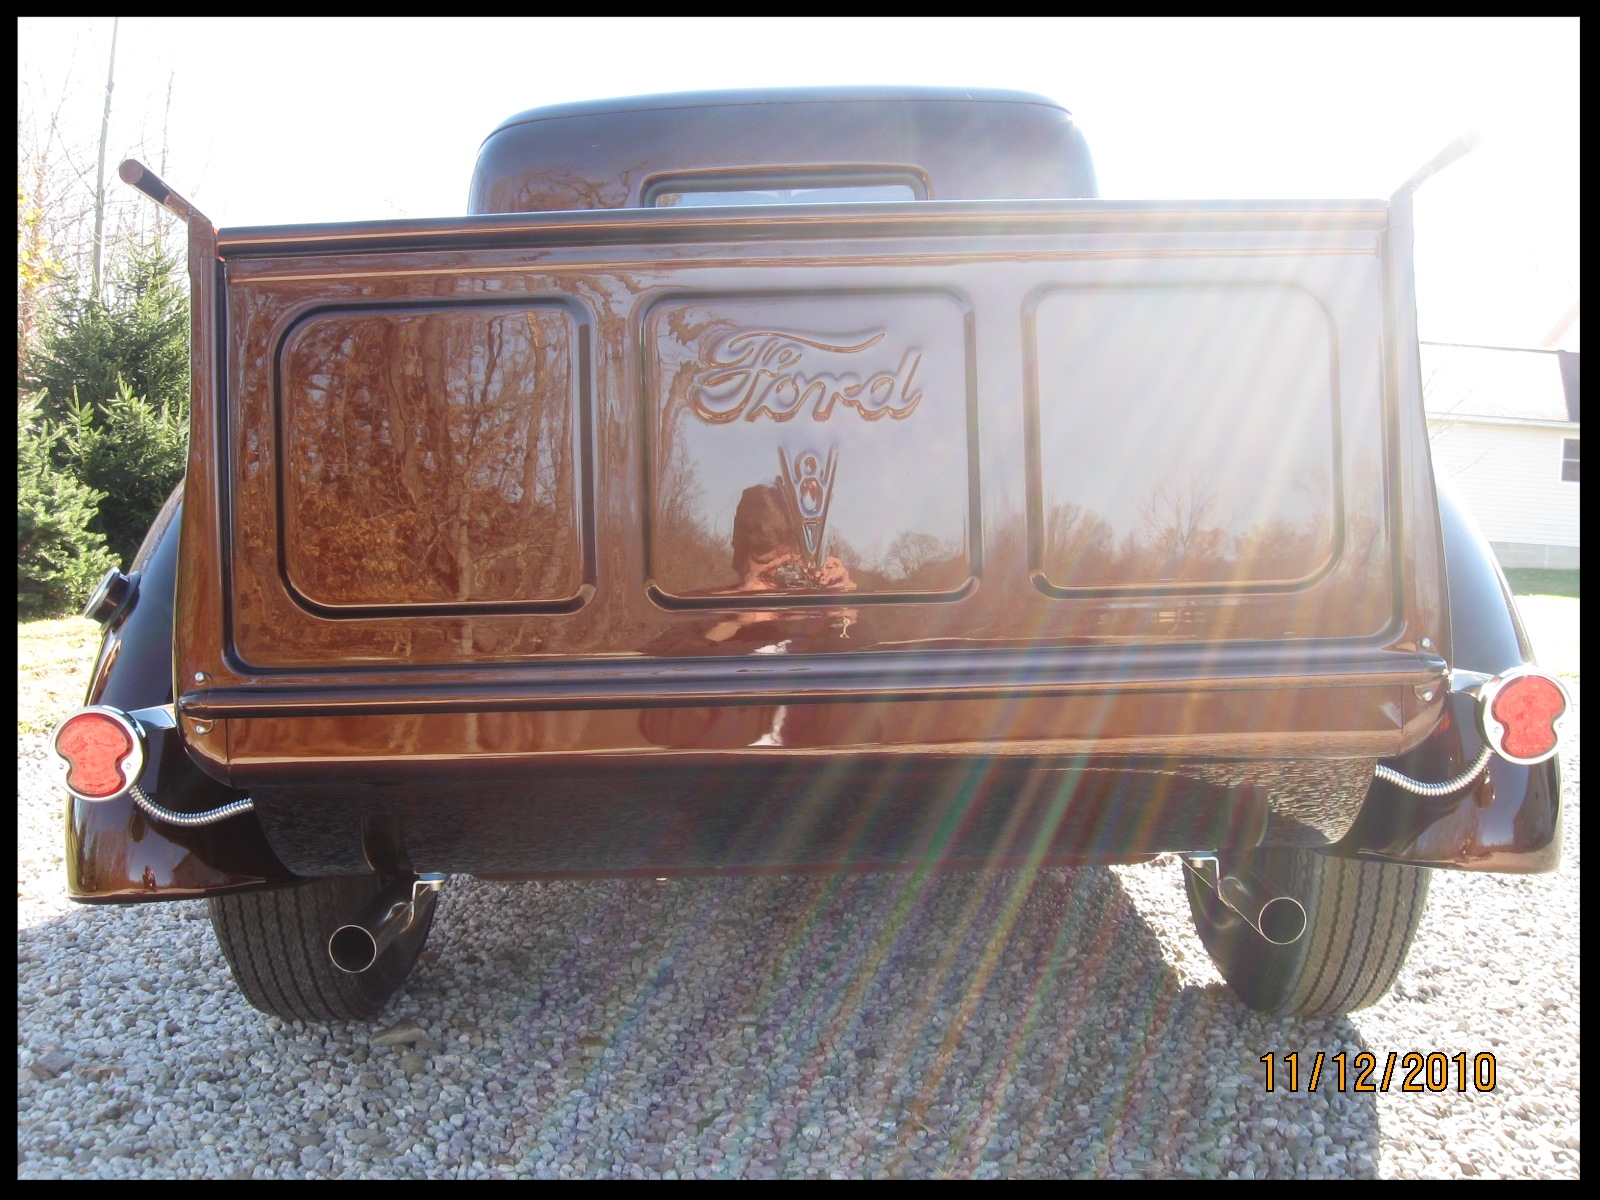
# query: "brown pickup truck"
[[814, 480]]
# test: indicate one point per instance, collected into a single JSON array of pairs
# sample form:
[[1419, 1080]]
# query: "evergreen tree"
[[59, 557], [132, 453], [138, 329], [111, 376]]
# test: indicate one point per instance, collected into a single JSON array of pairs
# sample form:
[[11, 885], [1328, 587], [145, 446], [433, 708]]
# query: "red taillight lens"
[[1523, 714], [1528, 707], [95, 746]]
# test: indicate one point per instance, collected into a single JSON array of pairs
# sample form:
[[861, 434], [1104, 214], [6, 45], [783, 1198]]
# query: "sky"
[[283, 121]]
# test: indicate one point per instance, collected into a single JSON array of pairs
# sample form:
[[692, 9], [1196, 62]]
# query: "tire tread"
[[275, 946], [1361, 918]]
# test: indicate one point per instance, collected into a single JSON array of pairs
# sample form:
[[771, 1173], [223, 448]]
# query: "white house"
[[1503, 424]]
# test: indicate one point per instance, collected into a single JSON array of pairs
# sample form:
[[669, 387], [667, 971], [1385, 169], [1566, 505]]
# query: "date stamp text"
[[1434, 1072]]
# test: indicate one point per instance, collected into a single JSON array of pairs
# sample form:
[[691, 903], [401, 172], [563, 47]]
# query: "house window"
[[1569, 460]]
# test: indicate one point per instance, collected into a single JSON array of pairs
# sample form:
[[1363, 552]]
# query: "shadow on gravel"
[[973, 1023]]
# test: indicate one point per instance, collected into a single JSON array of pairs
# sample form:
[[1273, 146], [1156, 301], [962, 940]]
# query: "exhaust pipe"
[[1279, 919], [355, 947]]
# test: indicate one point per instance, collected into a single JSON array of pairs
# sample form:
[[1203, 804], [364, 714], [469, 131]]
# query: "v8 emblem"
[[807, 485]]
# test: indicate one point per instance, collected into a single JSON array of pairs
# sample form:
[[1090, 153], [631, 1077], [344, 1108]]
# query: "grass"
[[1532, 582], [55, 657], [1548, 602]]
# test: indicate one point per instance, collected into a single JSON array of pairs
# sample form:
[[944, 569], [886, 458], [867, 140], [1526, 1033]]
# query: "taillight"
[[1523, 714], [103, 752]]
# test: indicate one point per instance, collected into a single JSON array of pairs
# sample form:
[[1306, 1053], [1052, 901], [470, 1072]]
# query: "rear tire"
[[276, 944], [1360, 919]]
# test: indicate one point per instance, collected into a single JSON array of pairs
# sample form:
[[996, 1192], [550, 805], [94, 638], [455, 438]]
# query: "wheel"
[[1360, 919], [276, 944]]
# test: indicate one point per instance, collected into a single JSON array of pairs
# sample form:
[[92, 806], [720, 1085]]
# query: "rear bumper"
[[780, 808], [674, 817], [747, 812]]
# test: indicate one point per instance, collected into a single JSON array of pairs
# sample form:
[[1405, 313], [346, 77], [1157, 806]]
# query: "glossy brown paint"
[[1417, 552], [956, 596], [898, 359], [1178, 500], [433, 459], [1257, 723], [201, 631]]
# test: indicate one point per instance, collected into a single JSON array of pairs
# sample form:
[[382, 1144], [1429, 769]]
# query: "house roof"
[[1499, 382]]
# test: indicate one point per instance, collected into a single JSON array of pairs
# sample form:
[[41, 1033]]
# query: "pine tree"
[[131, 452], [111, 378], [137, 329], [59, 557]]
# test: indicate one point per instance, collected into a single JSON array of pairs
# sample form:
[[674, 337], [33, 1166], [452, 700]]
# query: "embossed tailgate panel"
[[1186, 438], [432, 460], [811, 443], [454, 449]]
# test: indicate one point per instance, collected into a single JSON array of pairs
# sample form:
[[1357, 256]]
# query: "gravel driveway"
[[972, 1024]]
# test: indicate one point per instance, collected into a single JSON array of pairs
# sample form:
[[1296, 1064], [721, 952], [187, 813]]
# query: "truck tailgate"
[[1082, 452]]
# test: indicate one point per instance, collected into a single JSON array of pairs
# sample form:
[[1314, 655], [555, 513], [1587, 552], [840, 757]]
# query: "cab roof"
[[949, 143]]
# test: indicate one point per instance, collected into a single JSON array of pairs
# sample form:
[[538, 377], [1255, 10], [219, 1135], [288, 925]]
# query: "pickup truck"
[[807, 481]]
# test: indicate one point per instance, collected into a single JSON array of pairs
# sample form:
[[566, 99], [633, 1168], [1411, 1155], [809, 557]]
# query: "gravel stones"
[[1060, 1025], [50, 1064], [399, 1035], [413, 1065]]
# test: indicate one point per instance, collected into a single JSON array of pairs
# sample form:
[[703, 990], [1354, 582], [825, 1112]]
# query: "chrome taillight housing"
[[1523, 714], [102, 752]]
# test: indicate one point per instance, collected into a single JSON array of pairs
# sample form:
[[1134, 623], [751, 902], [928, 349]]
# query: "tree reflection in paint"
[[431, 457]]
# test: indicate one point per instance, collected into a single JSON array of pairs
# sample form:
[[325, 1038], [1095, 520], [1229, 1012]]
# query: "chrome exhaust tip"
[[1279, 919], [356, 947]]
